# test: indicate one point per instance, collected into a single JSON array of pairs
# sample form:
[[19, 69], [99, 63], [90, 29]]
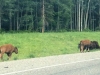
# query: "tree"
[[43, 17], [49, 15], [81, 24], [87, 15]]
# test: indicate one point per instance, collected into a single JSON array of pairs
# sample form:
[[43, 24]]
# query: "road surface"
[[70, 64]]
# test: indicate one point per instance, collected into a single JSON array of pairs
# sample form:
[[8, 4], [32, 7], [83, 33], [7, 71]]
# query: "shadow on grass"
[[31, 56], [15, 58]]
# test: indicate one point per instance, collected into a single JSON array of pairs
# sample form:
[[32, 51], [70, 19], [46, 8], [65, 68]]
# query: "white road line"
[[33, 69]]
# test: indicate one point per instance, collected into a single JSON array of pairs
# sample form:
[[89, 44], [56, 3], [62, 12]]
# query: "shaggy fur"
[[94, 45]]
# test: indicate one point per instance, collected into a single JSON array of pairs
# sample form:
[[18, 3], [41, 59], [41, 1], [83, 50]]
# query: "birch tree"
[[81, 26], [43, 18], [79, 16], [87, 15]]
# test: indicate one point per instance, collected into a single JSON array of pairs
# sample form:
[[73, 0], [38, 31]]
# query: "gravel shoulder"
[[36, 63]]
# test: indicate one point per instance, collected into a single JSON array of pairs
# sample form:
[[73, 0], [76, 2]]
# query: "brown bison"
[[8, 49], [88, 45], [84, 44]]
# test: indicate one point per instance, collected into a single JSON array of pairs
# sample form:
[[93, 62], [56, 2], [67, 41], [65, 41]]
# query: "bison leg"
[[9, 55], [80, 49], [1, 56], [88, 50]]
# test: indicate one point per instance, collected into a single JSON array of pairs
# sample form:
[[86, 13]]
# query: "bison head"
[[16, 50], [94, 45]]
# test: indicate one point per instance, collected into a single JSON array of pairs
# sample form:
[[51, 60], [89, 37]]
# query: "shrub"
[[31, 56], [15, 58], [97, 29]]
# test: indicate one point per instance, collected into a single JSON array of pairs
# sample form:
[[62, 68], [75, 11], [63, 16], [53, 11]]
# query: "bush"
[[2, 31], [87, 30], [15, 58], [97, 29], [31, 56]]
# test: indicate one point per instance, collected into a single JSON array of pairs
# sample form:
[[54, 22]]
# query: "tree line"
[[49, 15]]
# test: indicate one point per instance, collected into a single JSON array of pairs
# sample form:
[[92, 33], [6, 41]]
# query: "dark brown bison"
[[84, 44], [94, 45], [8, 49]]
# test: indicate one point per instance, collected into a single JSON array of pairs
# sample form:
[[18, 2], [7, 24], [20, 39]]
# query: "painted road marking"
[[33, 69]]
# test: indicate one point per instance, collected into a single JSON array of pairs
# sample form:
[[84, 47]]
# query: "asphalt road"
[[71, 64]]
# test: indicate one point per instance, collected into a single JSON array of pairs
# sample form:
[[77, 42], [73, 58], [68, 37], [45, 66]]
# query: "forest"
[[49, 15]]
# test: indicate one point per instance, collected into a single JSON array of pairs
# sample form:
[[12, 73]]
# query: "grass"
[[33, 45]]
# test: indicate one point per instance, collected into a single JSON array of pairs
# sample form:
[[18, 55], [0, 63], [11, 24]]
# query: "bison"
[[88, 45], [8, 49], [84, 44]]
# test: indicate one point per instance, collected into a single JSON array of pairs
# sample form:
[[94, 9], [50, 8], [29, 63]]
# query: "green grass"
[[33, 45]]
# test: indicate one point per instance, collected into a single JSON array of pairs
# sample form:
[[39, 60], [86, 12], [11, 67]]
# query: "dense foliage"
[[49, 15]]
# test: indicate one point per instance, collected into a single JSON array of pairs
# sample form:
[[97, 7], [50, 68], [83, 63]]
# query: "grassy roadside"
[[32, 45]]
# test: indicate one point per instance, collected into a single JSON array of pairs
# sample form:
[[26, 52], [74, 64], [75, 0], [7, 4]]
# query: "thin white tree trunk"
[[81, 17], [87, 15]]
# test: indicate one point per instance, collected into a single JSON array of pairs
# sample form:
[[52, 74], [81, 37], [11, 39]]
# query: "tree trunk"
[[31, 25], [43, 19], [93, 22], [71, 19], [79, 16], [18, 17], [81, 28], [14, 23], [36, 17], [71, 24], [58, 18], [10, 17], [17, 21], [75, 17], [87, 15]]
